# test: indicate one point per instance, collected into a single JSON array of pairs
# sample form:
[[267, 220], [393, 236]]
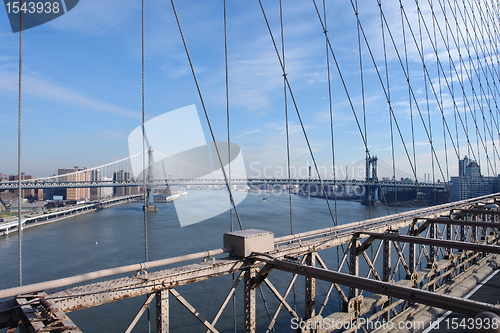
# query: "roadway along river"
[[115, 236]]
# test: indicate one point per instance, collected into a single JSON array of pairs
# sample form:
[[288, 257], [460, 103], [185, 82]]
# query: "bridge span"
[[219, 181], [429, 259]]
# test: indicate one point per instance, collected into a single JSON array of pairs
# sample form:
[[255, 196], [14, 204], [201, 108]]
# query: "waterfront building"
[[95, 192], [73, 175], [471, 183], [25, 194], [119, 177]]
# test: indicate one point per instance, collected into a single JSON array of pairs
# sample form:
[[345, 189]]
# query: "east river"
[[114, 237]]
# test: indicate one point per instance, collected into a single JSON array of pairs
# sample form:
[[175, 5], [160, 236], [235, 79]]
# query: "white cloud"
[[54, 92]]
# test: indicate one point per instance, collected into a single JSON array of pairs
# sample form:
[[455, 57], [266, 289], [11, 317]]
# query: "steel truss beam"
[[139, 314], [480, 212], [228, 297], [114, 290], [456, 304], [493, 225], [419, 278], [280, 306], [39, 315], [435, 242], [162, 312], [191, 309], [371, 303], [482, 224], [310, 289], [249, 300]]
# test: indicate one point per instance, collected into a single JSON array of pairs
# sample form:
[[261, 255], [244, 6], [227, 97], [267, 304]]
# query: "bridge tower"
[[148, 191], [371, 188]]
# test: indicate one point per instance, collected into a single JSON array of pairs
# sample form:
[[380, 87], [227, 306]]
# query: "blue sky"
[[82, 83]]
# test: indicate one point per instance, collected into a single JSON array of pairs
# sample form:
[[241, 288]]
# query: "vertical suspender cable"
[[19, 197], [332, 129], [410, 102], [358, 124], [144, 159], [287, 128], [451, 75], [297, 109], [144, 148], [227, 112], [228, 144], [206, 114], [391, 112], [367, 152], [427, 101]]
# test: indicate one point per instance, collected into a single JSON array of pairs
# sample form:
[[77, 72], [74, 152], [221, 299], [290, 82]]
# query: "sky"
[[81, 84]]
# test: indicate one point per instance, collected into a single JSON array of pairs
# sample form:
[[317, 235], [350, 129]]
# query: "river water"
[[115, 236]]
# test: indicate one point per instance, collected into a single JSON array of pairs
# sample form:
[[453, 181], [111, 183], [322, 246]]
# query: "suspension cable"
[[145, 214], [206, 114], [287, 127], [330, 108], [391, 111], [471, 65], [144, 148], [229, 145], [384, 88], [363, 102], [19, 197], [363, 137], [410, 104], [298, 113], [227, 111]]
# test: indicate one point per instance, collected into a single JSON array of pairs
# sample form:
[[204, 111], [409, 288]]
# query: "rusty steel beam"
[[280, 306], [388, 221], [280, 298], [32, 288], [480, 211], [139, 314], [99, 293], [39, 315], [436, 242], [451, 303], [228, 298], [310, 289], [249, 301], [162, 312], [191, 309], [456, 222]]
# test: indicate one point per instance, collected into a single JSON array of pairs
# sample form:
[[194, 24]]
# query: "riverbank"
[[43, 218]]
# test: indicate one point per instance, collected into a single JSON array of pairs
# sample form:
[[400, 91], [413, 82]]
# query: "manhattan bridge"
[[413, 265]]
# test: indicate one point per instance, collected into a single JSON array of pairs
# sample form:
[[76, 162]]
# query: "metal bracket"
[[354, 305], [142, 274]]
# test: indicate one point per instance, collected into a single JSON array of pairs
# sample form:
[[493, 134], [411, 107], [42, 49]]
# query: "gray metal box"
[[244, 242]]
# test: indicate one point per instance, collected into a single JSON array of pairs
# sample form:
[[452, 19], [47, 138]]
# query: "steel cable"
[[19, 197], [144, 161], [206, 113], [229, 145], [298, 113]]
